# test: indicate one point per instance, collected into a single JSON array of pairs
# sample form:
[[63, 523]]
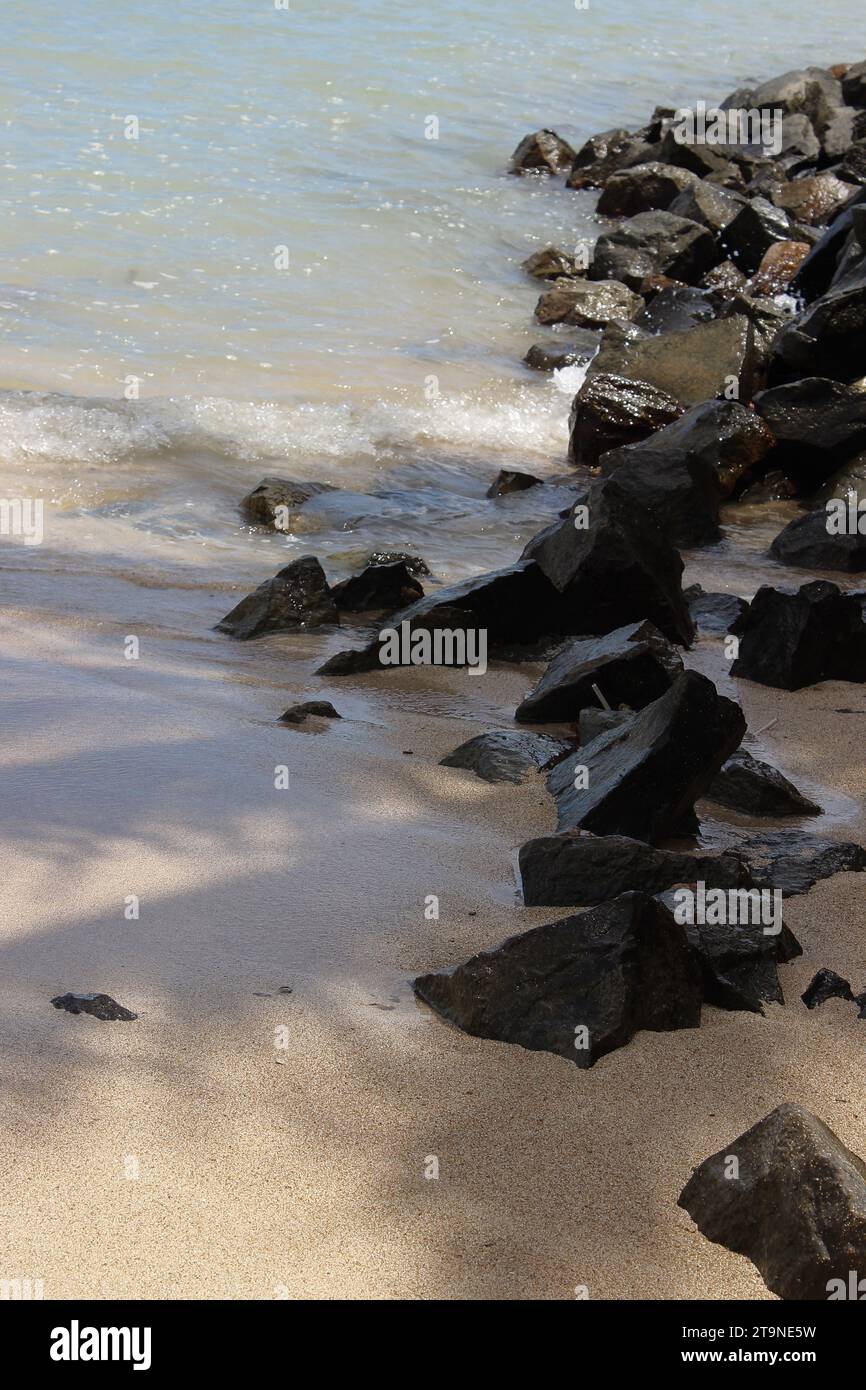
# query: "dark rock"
[[551, 264], [803, 90], [511, 480], [414, 564], [542, 152], [766, 317], [100, 1006], [379, 588], [645, 777], [297, 714], [632, 666], [790, 640], [796, 1206], [818, 424], [793, 860], [705, 161], [724, 277], [613, 971], [643, 188], [702, 363], [708, 204], [854, 85], [853, 166], [654, 243], [778, 267], [716, 613], [593, 721], [297, 597], [675, 310], [748, 236], [818, 269], [746, 784], [807, 544], [261, 505], [775, 486], [587, 303], [842, 129], [813, 199], [619, 569], [799, 140], [603, 155], [830, 337], [574, 869], [826, 985], [609, 410], [506, 756], [582, 346], [848, 482]]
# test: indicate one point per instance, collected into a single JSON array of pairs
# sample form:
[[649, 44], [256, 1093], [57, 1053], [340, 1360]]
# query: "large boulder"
[[682, 495], [803, 90], [610, 409], [643, 188], [602, 155], [675, 309], [643, 778], [854, 85], [618, 568], [574, 869], [790, 640], [587, 303], [723, 434], [705, 362], [818, 425], [750, 234], [542, 152], [297, 597], [655, 243], [632, 665], [708, 203], [580, 987], [789, 1196], [508, 755], [820, 266], [810, 542], [755, 788]]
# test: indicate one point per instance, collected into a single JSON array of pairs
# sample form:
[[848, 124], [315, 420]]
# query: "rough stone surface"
[[574, 869], [689, 367], [714, 613], [260, 505], [587, 303], [551, 264], [542, 152], [655, 243], [746, 784], [297, 597], [506, 756], [632, 665], [297, 714], [778, 267], [826, 984], [750, 234], [511, 480], [794, 860], [100, 1006], [379, 588], [790, 640], [643, 188], [805, 543], [610, 410]]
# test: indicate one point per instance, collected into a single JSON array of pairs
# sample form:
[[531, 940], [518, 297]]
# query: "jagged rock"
[[689, 367], [779, 265], [580, 987], [587, 303], [790, 640], [746, 784], [574, 869], [100, 1006], [826, 985], [724, 277], [542, 152], [830, 337], [642, 188], [813, 199], [716, 613], [818, 424], [632, 665], [675, 309], [819, 268], [807, 544], [854, 85], [706, 161], [681, 494], [618, 569], [582, 347], [506, 756], [840, 131], [414, 564], [511, 480], [297, 714], [602, 155], [796, 1206], [644, 778], [799, 141], [551, 264], [709, 204], [805, 90], [610, 410], [379, 588], [793, 860], [765, 315], [654, 243], [775, 486], [261, 505], [853, 166], [592, 721], [748, 236], [297, 597]]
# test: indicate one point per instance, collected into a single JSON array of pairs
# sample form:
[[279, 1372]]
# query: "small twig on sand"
[[764, 727]]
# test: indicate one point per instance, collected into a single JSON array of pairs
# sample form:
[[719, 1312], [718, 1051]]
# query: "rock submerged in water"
[[508, 755], [715, 613], [378, 589], [643, 779], [746, 784], [100, 1006], [580, 987], [632, 665], [795, 1204], [807, 543], [298, 714], [510, 480], [297, 597], [542, 152], [273, 495], [791, 640]]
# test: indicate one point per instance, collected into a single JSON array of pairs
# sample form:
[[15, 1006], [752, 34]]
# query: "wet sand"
[[199, 1152]]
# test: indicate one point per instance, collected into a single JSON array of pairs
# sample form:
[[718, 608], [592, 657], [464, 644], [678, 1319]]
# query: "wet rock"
[[654, 243], [602, 155], [724, 277], [587, 303], [580, 987], [705, 161], [854, 85], [297, 597], [593, 721], [775, 486], [853, 166], [507, 756], [379, 588], [807, 544], [813, 199], [819, 268], [796, 1206], [643, 779], [767, 318], [632, 665], [707, 203], [803, 90], [693, 366], [848, 482], [748, 785], [681, 494], [267, 503], [542, 152], [414, 564], [100, 1006], [714, 613], [778, 267], [830, 337], [551, 264], [794, 860], [582, 346], [617, 569], [642, 188], [574, 869], [675, 309], [748, 237], [826, 985], [609, 410], [511, 480], [818, 424], [298, 714], [790, 640]]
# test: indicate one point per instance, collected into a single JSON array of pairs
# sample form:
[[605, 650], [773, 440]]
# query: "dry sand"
[[188, 1155]]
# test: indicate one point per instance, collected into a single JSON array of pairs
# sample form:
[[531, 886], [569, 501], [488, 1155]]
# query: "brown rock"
[[813, 199], [778, 267]]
